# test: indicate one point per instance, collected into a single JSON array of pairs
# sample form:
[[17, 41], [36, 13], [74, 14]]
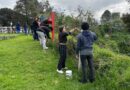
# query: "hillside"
[[25, 66]]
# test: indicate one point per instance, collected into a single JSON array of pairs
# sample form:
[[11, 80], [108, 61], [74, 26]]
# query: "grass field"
[[25, 66]]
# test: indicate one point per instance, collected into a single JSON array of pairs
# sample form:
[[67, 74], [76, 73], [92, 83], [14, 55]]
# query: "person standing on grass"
[[35, 25], [18, 27], [85, 47], [62, 48], [25, 28]]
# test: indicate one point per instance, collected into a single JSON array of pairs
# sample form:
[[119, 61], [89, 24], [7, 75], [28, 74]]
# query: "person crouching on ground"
[[43, 33], [85, 48], [63, 48]]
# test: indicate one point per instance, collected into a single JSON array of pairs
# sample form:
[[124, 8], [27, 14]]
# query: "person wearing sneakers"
[[62, 48], [85, 47], [43, 33]]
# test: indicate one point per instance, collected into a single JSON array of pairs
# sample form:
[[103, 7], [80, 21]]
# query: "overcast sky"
[[97, 6]]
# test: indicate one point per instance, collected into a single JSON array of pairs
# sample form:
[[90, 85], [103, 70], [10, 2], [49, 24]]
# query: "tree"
[[44, 6], [86, 15], [126, 20], [106, 22], [7, 16], [106, 16], [27, 7]]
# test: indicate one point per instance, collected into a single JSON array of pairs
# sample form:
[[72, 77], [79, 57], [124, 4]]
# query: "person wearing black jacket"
[[62, 48], [43, 33], [34, 28], [47, 28]]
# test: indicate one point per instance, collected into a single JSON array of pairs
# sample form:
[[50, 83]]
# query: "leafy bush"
[[124, 47]]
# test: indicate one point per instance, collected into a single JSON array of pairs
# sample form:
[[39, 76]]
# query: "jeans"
[[84, 64], [42, 38]]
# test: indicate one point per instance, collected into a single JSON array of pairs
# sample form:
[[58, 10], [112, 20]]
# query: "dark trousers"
[[35, 35], [90, 65], [63, 55]]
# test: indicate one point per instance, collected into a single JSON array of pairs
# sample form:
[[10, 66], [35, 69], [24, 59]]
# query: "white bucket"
[[68, 74]]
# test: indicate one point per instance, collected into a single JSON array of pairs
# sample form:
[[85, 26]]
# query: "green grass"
[[25, 66], [8, 34]]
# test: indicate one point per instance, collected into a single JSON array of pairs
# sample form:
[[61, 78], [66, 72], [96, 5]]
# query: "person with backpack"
[[85, 42]]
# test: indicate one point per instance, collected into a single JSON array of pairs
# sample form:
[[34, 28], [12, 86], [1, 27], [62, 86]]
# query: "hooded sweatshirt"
[[85, 42]]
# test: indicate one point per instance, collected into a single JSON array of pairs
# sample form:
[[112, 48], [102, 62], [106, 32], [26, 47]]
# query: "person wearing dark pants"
[[34, 27], [35, 35], [18, 28], [62, 48], [85, 50], [63, 55]]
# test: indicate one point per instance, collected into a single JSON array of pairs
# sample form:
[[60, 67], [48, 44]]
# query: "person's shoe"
[[83, 81], [45, 48], [60, 71], [65, 68]]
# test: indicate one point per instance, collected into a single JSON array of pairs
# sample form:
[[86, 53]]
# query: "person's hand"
[[77, 29], [72, 30]]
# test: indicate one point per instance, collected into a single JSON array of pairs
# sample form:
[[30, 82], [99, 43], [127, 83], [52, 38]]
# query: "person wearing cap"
[[63, 48], [85, 42]]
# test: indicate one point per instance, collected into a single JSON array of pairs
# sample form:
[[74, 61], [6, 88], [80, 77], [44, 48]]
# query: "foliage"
[[44, 6], [27, 7], [7, 16], [124, 47], [24, 65], [123, 41], [32, 8], [27, 66], [106, 16], [126, 20], [111, 22]]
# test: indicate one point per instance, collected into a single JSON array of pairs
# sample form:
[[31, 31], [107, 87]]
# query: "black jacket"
[[34, 26], [63, 37]]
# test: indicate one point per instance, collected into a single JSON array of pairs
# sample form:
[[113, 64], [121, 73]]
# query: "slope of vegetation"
[[25, 66]]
